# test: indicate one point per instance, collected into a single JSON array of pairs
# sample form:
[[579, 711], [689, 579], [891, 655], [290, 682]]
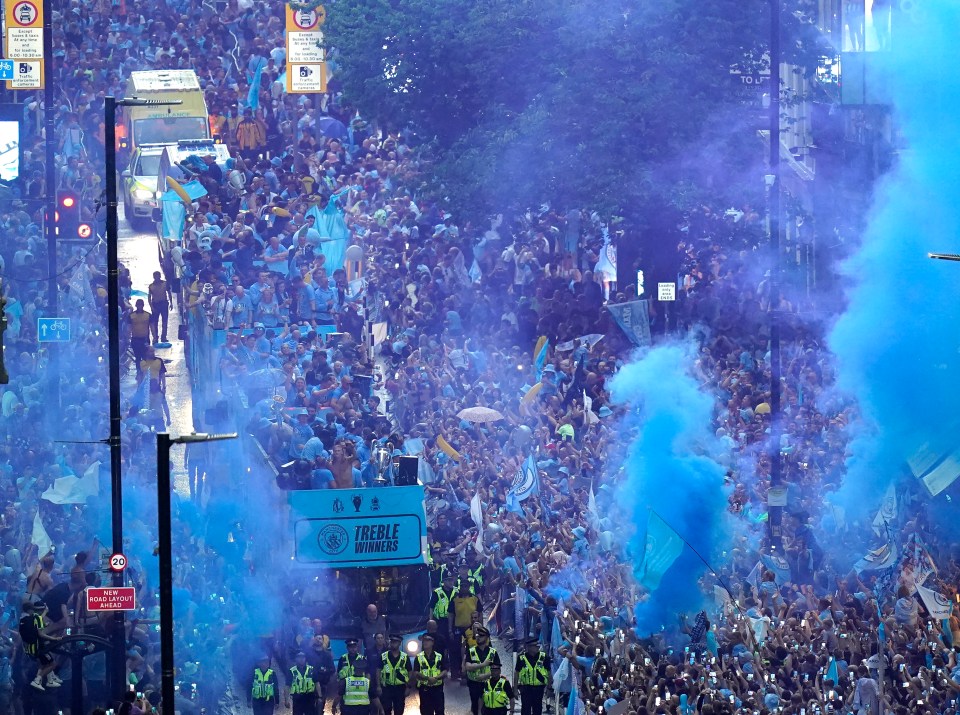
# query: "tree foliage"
[[617, 105]]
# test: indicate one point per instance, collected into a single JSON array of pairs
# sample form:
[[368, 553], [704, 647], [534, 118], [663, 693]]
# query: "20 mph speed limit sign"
[[118, 562]]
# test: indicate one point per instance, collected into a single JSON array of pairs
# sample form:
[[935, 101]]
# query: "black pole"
[[165, 549], [49, 225], [76, 682], [775, 513], [118, 667]]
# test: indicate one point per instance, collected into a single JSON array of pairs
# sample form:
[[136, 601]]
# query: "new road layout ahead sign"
[[53, 330], [123, 598]]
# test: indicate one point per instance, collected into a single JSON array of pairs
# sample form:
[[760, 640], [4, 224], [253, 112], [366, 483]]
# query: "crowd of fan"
[[464, 306]]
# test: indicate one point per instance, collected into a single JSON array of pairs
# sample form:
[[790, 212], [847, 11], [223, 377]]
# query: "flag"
[[379, 332], [73, 490], [593, 516], [253, 95], [556, 635], [779, 566], [519, 614], [475, 274], [937, 604], [476, 510], [513, 505], [589, 416], [662, 547], [634, 320], [525, 481], [832, 673], [753, 578], [40, 537], [883, 557], [540, 355], [478, 544], [887, 514], [575, 705]]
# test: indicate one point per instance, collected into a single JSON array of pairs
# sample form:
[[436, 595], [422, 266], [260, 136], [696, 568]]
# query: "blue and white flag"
[[887, 515], [937, 604], [883, 557], [663, 546], [575, 705], [513, 505], [634, 320], [556, 634], [779, 566], [525, 481]]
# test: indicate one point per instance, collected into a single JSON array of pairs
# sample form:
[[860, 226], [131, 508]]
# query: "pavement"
[[138, 253]]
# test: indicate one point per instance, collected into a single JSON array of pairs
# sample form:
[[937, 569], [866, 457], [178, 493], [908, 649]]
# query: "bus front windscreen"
[[168, 130]]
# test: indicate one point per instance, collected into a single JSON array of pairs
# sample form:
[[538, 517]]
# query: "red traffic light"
[[68, 202]]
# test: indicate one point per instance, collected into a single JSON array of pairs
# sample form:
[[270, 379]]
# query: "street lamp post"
[[117, 636], [165, 553], [775, 512]]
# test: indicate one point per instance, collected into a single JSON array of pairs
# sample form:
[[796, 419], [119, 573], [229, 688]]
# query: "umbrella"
[[330, 127], [479, 414]]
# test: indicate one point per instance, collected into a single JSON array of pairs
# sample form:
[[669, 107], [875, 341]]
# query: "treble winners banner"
[[344, 528]]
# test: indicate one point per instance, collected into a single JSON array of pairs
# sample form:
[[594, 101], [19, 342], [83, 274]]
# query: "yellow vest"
[[495, 694], [302, 683], [357, 691], [442, 609], [480, 674], [430, 670], [262, 687], [394, 673], [532, 673]]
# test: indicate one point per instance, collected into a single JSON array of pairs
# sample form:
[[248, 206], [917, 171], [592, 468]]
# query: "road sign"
[[118, 562], [27, 75], [84, 230], [305, 79], [24, 41], [53, 330], [305, 47], [25, 13], [302, 19], [6, 69], [123, 598], [666, 291]]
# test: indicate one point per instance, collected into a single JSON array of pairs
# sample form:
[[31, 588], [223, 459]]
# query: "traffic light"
[[67, 218]]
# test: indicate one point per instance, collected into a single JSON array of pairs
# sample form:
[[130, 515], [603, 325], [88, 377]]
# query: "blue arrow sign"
[[53, 330], [6, 69]]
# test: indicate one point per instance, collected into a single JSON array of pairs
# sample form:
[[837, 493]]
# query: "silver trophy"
[[382, 460]]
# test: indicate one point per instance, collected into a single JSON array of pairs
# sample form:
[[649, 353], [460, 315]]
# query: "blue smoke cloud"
[[673, 467], [896, 343]]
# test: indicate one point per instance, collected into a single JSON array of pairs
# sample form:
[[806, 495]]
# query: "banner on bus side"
[[343, 528]]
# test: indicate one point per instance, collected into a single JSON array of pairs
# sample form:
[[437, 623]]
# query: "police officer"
[[497, 693], [394, 677], [264, 692], [533, 671], [431, 668], [442, 603], [476, 664], [303, 686], [346, 665], [359, 692]]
